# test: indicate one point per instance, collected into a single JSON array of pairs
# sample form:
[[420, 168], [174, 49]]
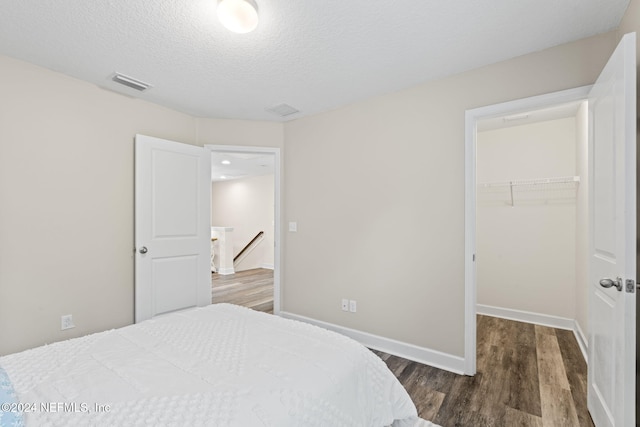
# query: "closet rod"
[[538, 181]]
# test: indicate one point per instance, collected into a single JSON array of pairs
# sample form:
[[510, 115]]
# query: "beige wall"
[[66, 198], [526, 251], [247, 205], [240, 132], [389, 173], [66, 183]]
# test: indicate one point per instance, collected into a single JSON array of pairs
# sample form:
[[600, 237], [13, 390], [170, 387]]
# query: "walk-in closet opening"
[[531, 257], [531, 220]]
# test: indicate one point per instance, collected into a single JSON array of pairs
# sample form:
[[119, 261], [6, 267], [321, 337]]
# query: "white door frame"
[[471, 119], [276, 197]]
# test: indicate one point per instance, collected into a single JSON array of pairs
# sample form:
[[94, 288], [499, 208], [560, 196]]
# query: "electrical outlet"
[[352, 306], [345, 304], [66, 322]]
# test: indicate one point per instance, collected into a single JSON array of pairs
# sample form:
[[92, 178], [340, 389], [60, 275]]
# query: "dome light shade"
[[239, 16]]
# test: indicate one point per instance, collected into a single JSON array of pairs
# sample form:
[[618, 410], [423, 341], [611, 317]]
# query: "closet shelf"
[[574, 180], [554, 189]]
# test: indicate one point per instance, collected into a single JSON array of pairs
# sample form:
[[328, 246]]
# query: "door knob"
[[608, 283], [143, 250]]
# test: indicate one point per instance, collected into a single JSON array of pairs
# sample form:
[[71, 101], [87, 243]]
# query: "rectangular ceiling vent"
[[130, 82], [283, 110]]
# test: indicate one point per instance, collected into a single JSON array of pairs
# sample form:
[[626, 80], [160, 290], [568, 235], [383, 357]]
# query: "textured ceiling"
[[312, 55]]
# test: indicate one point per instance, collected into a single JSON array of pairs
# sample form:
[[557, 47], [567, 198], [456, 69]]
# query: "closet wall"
[[527, 234]]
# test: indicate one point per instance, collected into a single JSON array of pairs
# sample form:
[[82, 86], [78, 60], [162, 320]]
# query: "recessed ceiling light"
[[226, 162]]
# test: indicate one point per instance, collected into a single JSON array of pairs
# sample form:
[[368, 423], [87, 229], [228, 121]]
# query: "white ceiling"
[[240, 165], [312, 55]]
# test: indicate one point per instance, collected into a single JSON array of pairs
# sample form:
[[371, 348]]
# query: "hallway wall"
[[247, 205]]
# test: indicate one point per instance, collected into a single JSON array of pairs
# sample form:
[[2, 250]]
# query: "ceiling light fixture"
[[226, 162], [239, 16]]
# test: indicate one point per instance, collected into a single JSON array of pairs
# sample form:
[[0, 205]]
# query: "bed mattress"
[[220, 365]]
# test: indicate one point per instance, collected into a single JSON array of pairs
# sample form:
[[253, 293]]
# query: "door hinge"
[[630, 285]]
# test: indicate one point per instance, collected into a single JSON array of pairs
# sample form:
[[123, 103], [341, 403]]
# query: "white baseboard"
[[225, 271], [582, 341], [526, 317], [268, 266], [412, 352], [538, 319]]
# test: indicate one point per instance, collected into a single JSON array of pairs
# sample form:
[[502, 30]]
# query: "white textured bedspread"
[[220, 365]]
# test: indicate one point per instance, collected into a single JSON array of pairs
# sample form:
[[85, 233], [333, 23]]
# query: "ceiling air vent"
[[283, 110], [130, 82]]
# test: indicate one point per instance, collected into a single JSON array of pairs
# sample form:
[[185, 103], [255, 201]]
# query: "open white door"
[[612, 230], [172, 227]]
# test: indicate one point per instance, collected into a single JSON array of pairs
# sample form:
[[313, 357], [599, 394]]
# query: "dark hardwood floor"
[[249, 288], [528, 375]]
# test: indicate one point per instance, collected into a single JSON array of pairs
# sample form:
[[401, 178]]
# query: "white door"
[[612, 230], [172, 226]]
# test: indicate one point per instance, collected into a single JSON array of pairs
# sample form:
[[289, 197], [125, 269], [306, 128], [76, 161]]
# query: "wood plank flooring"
[[528, 375], [249, 288]]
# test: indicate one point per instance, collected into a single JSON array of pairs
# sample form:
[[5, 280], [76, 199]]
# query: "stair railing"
[[248, 245]]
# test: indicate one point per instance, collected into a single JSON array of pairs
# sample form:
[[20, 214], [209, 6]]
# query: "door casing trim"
[[472, 117], [275, 151]]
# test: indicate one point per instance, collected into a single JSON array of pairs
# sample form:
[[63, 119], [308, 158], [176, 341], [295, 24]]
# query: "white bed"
[[220, 365]]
